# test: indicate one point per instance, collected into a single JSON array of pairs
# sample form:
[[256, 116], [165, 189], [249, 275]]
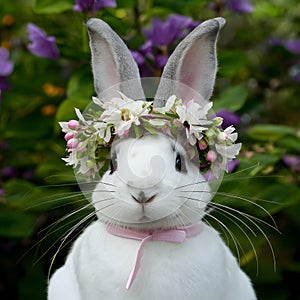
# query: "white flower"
[[196, 116], [64, 126], [103, 131], [97, 101], [228, 153], [171, 103], [123, 112]]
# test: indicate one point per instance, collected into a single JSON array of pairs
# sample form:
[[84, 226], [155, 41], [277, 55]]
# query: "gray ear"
[[192, 67], [112, 63]]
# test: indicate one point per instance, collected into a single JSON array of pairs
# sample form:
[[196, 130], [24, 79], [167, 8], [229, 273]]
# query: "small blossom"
[[73, 124], [72, 143], [123, 112], [292, 161], [291, 45], [166, 32], [2, 195], [232, 165], [6, 66], [138, 57], [240, 6], [68, 136], [93, 5], [161, 60], [222, 137], [160, 38], [211, 156], [41, 44], [229, 118], [202, 144]]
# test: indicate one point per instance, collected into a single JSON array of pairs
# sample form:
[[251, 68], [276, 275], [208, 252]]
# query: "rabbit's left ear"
[[114, 68], [192, 67]]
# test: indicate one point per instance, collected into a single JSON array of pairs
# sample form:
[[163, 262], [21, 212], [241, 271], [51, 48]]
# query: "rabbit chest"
[[198, 268]]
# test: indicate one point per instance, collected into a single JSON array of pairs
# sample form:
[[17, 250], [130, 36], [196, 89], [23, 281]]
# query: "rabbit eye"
[[113, 163], [179, 164]]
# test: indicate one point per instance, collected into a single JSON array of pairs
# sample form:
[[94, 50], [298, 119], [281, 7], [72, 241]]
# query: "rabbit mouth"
[[144, 219]]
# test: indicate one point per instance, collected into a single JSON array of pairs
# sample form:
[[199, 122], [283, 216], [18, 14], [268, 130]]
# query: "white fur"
[[148, 165], [200, 268], [99, 263]]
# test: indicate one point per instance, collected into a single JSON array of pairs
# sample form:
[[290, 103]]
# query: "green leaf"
[[147, 125], [30, 127], [52, 6], [233, 98], [290, 143], [80, 86], [231, 63], [16, 224], [270, 132]]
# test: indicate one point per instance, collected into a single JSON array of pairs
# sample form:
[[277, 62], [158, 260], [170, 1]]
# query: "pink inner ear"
[[197, 71]]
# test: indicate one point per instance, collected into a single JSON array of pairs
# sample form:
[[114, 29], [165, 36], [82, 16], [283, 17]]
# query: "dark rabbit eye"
[[178, 163], [113, 163]]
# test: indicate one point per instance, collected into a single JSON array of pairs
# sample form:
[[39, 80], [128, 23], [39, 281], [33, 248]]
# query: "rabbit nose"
[[141, 198]]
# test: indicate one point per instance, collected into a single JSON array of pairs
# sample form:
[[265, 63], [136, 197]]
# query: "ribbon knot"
[[176, 235]]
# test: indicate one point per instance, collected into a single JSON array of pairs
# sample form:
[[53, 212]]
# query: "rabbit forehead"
[[145, 148], [144, 160]]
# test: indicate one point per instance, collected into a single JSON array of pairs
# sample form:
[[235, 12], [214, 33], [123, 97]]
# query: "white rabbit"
[[149, 189]]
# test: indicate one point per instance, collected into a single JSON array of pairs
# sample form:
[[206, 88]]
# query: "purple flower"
[[161, 60], [93, 5], [161, 37], [2, 194], [292, 161], [42, 45], [232, 165], [6, 66], [9, 172], [4, 84], [229, 118], [166, 32], [138, 57], [292, 46], [240, 6]]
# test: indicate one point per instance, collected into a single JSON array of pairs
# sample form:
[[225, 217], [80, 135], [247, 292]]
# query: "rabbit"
[[148, 189]]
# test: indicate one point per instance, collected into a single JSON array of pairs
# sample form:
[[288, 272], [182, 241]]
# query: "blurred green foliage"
[[258, 79]]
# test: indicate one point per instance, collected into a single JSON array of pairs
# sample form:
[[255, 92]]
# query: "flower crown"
[[89, 140]]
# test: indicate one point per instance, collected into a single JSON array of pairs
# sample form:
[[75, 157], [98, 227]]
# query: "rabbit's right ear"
[[191, 69], [113, 66]]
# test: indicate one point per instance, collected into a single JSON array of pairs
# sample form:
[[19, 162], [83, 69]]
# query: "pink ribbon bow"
[[176, 235]]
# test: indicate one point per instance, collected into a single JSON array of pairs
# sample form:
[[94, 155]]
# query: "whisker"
[[65, 217], [249, 201], [101, 200], [218, 193], [250, 219], [224, 213], [50, 230], [235, 241], [62, 244]]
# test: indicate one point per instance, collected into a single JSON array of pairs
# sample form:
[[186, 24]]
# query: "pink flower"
[[68, 136], [72, 143], [202, 144], [211, 156], [73, 124]]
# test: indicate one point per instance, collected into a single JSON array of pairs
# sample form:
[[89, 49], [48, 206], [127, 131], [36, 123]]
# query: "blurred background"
[[45, 72]]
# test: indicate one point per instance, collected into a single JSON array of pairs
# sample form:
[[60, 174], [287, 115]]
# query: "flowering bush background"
[[45, 72]]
